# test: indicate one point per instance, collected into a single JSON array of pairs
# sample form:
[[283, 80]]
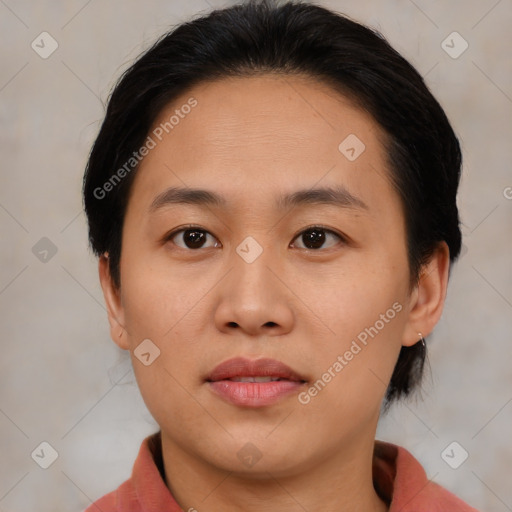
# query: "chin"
[[257, 455]]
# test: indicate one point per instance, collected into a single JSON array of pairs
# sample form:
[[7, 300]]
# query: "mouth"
[[255, 379], [254, 383]]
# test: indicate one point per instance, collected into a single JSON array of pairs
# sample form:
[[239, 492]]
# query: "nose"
[[254, 298]]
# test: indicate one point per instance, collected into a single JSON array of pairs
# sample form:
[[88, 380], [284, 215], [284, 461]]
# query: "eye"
[[192, 236], [315, 236]]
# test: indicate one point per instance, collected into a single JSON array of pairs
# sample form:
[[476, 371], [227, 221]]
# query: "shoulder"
[[107, 503], [411, 490], [123, 498], [146, 489]]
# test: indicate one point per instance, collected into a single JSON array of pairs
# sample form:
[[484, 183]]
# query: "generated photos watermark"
[[150, 143], [344, 359]]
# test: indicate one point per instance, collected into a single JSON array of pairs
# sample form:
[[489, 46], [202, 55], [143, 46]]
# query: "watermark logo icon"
[[249, 455], [351, 147], [454, 45], [44, 45], [249, 249], [44, 250], [454, 455], [44, 455], [146, 352]]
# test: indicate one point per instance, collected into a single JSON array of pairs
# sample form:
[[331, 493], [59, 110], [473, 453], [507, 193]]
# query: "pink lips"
[[253, 383]]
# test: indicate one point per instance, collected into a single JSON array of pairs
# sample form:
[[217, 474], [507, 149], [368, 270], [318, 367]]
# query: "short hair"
[[291, 38]]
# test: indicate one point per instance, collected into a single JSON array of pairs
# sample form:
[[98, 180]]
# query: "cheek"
[[353, 366], [354, 295], [157, 297], [161, 304], [363, 314], [163, 312]]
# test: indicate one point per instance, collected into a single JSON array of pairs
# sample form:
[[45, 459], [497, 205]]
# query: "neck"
[[341, 482]]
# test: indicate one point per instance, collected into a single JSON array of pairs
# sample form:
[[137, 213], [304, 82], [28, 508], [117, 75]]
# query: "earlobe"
[[112, 298], [428, 297]]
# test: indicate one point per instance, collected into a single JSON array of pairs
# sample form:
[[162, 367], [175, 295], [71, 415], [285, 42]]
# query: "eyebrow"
[[337, 196]]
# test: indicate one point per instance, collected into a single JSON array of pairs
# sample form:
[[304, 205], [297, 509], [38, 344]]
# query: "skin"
[[251, 140]]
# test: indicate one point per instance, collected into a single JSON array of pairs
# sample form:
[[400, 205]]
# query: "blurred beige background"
[[64, 382]]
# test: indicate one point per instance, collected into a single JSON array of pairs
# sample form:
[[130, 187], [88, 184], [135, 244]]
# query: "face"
[[316, 280]]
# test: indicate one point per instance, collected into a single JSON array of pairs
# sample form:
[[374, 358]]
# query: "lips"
[[240, 368], [254, 383]]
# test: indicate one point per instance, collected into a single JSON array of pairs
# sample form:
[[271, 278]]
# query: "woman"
[[272, 197]]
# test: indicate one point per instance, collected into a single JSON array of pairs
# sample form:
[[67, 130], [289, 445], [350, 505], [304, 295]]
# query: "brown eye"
[[315, 237], [192, 238]]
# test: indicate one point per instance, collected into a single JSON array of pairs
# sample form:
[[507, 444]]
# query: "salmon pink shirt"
[[398, 477]]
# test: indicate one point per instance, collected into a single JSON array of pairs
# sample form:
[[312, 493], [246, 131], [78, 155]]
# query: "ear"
[[112, 297], [428, 296]]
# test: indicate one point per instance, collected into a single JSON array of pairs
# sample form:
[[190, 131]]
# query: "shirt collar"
[[398, 477]]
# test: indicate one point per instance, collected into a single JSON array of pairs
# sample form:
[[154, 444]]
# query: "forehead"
[[249, 134]]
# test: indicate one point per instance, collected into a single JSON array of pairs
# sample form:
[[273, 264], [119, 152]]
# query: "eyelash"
[[341, 237]]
